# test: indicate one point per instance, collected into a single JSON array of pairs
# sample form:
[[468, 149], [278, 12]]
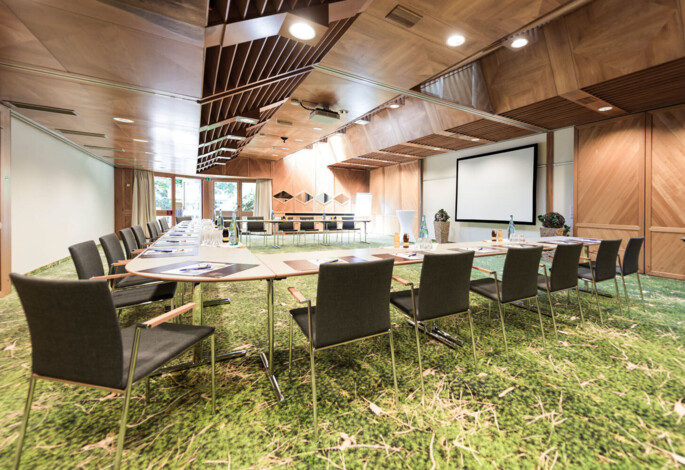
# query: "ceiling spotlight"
[[394, 106], [124, 120], [475, 139], [285, 148], [298, 140], [436, 148], [362, 122], [317, 128], [456, 40], [140, 140], [302, 31], [246, 120], [605, 108], [274, 154], [518, 43]]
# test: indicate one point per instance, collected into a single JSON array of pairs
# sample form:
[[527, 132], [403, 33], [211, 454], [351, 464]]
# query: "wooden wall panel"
[[123, 198], [410, 190], [377, 190], [609, 175], [349, 183], [394, 188], [665, 191], [392, 197]]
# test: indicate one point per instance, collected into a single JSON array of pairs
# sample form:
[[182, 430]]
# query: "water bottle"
[[324, 214], [234, 231], [423, 233], [511, 230]]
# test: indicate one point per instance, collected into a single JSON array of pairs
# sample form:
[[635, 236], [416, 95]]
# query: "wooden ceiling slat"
[[292, 58], [226, 65], [283, 48], [252, 61], [261, 6], [490, 130], [240, 60], [269, 49], [552, 113]]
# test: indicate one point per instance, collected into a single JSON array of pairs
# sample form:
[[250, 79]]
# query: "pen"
[[330, 261], [196, 268]]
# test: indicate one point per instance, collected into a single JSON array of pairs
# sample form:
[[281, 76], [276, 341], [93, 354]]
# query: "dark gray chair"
[[352, 303], [153, 228], [164, 224], [141, 239], [443, 292], [183, 218], [116, 259], [602, 269], [563, 275], [519, 282], [286, 227], [75, 338], [255, 226], [349, 227], [631, 265], [130, 243], [331, 226], [307, 226], [88, 264]]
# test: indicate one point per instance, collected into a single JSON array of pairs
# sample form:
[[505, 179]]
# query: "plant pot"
[[551, 232], [442, 231]]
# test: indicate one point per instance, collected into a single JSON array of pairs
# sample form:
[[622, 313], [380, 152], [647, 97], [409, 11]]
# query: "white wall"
[[439, 184], [60, 196]]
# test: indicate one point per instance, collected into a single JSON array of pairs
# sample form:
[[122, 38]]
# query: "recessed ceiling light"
[[285, 148], [456, 40], [274, 154], [362, 122], [519, 43], [394, 106], [124, 120], [298, 140], [475, 139], [605, 108], [317, 129], [436, 148], [140, 140], [149, 153], [302, 31]]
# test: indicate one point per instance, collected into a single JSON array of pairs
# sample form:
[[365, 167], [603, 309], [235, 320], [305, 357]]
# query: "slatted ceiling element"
[[451, 143], [419, 152], [490, 130], [231, 11], [554, 113], [384, 157], [656, 87]]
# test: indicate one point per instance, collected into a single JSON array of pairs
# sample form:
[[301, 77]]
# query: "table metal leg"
[[365, 223], [439, 335], [268, 362]]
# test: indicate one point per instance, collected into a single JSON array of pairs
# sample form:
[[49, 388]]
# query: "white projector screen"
[[493, 186]]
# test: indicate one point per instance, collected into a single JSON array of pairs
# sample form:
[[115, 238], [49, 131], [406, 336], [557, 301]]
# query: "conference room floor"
[[601, 395]]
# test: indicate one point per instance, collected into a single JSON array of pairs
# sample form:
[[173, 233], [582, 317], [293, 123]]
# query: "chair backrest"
[[605, 262], [253, 225], [183, 218], [74, 330], [445, 281], [352, 301], [112, 247], [520, 273], [152, 228], [332, 225], [129, 240], [286, 226], [305, 224], [631, 257], [564, 272], [140, 235], [164, 224], [347, 225], [87, 259]]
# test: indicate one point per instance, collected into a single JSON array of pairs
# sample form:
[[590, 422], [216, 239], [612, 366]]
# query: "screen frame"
[[535, 184]]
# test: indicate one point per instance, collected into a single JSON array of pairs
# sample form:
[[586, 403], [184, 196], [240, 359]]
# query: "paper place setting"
[[320, 261], [197, 269], [485, 249], [410, 256]]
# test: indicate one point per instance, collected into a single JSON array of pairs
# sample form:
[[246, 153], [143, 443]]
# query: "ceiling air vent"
[[403, 16], [82, 133], [38, 107]]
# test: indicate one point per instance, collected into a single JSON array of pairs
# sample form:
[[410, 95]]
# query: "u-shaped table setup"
[[178, 256]]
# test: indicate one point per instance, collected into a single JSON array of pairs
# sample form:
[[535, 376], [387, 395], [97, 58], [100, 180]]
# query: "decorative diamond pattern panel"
[[323, 198], [283, 196], [304, 197], [341, 199]]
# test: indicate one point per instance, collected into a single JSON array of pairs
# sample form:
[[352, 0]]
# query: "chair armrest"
[[112, 276], [148, 243], [404, 282], [483, 270], [298, 295], [137, 251], [121, 263], [158, 320]]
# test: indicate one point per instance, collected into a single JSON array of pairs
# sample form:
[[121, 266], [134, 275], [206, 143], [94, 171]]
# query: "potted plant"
[[442, 226], [553, 225]]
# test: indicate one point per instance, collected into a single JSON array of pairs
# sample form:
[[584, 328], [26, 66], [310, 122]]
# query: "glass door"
[[188, 197], [226, 198]]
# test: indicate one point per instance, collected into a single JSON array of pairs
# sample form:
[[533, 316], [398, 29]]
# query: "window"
[[225, 196], [162, 193], [188, 197], [248, 190]]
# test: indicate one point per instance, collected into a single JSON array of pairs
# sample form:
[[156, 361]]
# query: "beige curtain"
[[143, 198], [262, 199]]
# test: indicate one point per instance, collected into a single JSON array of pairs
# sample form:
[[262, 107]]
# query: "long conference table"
[[178, 256]]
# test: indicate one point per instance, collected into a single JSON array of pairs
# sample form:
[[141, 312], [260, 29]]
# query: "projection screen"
[[492, 186]]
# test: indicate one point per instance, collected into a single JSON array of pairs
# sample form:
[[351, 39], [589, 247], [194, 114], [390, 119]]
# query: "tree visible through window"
[[248, 196], [225, 196], [162, 193]]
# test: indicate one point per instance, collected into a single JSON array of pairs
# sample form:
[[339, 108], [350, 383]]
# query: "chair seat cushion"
[[300, 317], [542, 282], [158, 345], [144, 293], [133, 281], [402, 300], [486, 287], [584, 272]]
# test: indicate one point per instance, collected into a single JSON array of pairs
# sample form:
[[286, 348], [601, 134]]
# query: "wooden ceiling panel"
[[490, 130], [554, 113], [416, 151], [443, 142], [384, 158]]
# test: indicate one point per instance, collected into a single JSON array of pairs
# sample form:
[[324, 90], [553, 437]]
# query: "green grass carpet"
[[600, 397]]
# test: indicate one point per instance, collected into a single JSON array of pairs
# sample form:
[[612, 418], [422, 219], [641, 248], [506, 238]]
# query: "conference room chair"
[[519, 282], [349, 227], [307, 226], [153, 229], [631, 265], [141, 239], [164, 224], [331, 226], [286, 227], [603, 268], [352, 303], [563, 275], [88, 264], [183, 218], [116, 259], [130, 242], [255, 226], [443, 292], [76, 339]]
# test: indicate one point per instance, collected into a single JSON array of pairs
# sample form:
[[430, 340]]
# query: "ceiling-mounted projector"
[[324, 116]]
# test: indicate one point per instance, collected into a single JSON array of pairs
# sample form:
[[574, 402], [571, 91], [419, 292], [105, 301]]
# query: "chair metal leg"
[[147, 390], [642, 295], [392, 359], [542, 328], [473, 339], [551, 308], [127, 400], [24, 422], [580, 306], [625, 291], [618, 296], [418, 350], [504, 333], [290, 348], [594, 285], [213, 374], [316, 421]]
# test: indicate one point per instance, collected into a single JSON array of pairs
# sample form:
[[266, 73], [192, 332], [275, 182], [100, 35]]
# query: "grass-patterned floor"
[[599, 397]]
